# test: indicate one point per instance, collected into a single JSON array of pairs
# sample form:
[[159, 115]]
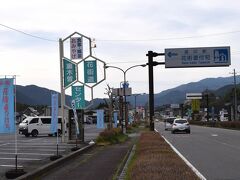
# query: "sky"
[[124, 31]]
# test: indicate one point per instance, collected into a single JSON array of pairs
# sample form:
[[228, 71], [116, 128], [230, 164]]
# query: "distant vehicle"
[[223, 115], [37, 126], [89, 120], [168, 123], [180, 125]]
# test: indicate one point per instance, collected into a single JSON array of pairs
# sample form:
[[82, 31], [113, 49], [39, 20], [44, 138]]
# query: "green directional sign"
[[90, 71], [78, 96], [69, 72]]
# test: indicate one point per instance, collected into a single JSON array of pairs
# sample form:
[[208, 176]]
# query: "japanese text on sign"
[[90, 71], [54, 118], [69, 72], [197, 57], [78, 96], [7, 121], [76, 48]]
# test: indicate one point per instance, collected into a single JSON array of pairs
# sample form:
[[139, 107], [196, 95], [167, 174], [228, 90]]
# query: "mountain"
[[178, 94], [34, 95]]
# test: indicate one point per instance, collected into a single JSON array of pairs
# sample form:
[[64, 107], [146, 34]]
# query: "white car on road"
[[181, 125]]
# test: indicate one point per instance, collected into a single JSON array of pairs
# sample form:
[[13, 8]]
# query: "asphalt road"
[[214, 152], [34, 152]]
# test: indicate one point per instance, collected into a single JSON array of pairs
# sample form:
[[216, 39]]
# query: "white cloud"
[[37, 61]]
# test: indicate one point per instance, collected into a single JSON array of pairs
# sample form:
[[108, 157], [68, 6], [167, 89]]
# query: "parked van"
[[39, 125]]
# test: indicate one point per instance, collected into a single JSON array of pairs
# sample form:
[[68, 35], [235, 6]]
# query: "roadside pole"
[[62, 90], [150, 64]]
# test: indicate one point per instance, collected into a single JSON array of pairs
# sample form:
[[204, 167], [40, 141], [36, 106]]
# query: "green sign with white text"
[[90, 71], [69, 72], [78, 96]]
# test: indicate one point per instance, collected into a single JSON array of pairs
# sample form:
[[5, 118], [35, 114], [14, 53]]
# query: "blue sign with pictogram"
[[221, 56], [197, 57]]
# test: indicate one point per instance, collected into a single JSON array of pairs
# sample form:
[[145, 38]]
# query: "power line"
[[22, 32], [129, 62], [128, 40], [171, 38]]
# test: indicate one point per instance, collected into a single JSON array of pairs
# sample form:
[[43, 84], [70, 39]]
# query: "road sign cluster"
[[71, 71]]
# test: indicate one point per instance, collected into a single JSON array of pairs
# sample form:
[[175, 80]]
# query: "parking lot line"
[[4, 144], [33, 154], [13, 149], [11, 165], [23, 159], [35, 146]]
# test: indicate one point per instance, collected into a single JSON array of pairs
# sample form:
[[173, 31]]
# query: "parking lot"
[[33, 152]]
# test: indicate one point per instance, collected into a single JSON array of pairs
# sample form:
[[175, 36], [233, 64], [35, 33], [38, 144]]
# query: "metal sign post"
[[183, 58], [69, 72]]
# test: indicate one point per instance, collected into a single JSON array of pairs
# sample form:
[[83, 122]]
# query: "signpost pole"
[[151, 89], [62, 89], [15, 110], [150, 64]]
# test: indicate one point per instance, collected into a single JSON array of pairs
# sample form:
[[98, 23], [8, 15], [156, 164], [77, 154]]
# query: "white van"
[[168, 122], [39, 125]]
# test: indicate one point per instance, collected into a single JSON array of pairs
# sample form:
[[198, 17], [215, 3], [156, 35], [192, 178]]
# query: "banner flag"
[[7, 119], [75, 117], [130, 119], [100, 119], [54, 119], [115, 115]]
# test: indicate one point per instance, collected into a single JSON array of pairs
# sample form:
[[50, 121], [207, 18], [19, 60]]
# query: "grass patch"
[[154, 159], [111, 136]]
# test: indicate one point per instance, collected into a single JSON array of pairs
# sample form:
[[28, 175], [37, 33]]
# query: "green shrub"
[[111, 136]]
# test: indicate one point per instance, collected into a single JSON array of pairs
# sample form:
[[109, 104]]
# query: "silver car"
[[180, 125]]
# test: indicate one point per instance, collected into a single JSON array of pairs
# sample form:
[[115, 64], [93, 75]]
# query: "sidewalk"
[[100, 163]]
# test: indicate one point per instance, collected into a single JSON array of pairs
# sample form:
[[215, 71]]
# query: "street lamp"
[[124, 88], [135, 103]]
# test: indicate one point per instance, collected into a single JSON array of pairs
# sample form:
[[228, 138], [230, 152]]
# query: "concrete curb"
[[130, 154], [41, 170]]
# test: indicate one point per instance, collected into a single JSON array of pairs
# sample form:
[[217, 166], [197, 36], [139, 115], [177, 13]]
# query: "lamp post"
[[124, 87], [135, 103]]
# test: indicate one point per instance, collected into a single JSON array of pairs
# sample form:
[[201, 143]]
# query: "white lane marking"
[[23, 159], [11, 166], [34, 154], [184, 159], [214, 135]]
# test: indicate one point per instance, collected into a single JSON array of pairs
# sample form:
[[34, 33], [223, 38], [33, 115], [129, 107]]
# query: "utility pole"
[[235, 96], [207, 107]]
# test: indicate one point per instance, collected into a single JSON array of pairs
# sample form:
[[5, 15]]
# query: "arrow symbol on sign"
[[170, 54]]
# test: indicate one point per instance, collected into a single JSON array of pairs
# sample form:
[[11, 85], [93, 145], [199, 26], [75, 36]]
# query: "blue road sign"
[[197, 57]]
